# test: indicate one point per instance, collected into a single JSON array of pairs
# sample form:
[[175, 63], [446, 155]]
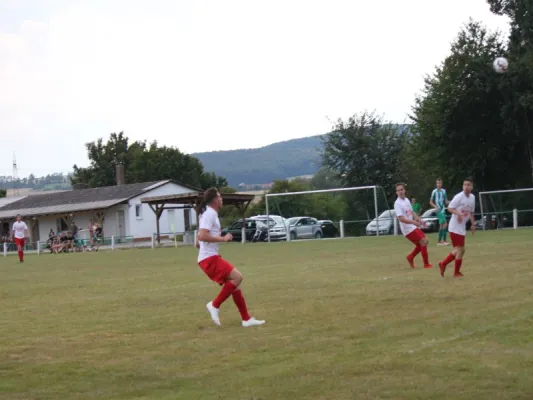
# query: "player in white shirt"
[[214, 266], [409, 225], [19, 233], [462, 208]]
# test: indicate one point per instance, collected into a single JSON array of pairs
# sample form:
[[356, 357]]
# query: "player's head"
[[439, 183], [19, 217], [468, 185], [400, 190], [413, 200], [212, 198]]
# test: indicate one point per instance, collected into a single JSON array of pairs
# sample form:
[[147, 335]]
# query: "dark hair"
[[209, 195], [468, 179], [400, 184], [439, 180]]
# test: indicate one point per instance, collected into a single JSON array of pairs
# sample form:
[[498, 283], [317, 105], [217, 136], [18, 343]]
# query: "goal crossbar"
[[352, 189]]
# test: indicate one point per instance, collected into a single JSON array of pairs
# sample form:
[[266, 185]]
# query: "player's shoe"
[[458, 275], [427, 266], [442, 268], [439, 244], [214, 313], [410, 261], [445, 243], [252, 322]]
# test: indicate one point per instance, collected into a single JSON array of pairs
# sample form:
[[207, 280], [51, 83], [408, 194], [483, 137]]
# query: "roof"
[[77, 200], [4, 201], [195, 198]]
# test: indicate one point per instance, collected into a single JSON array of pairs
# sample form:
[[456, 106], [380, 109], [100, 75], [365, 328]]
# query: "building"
[[118, 209]]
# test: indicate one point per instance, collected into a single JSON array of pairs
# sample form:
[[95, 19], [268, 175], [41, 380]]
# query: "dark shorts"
[[216, 268], [416, 236]]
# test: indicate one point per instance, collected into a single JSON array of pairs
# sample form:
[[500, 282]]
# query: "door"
[[121, 221], [171, 222]]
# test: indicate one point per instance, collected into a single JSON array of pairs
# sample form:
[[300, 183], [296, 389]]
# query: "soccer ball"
[[500, 65]]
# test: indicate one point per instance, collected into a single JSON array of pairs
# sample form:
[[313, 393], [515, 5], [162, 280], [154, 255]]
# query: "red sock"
[[21, 255], [448, 259], [415, 252], [226, 291], [238, 298], [458, 264], [425, 255]]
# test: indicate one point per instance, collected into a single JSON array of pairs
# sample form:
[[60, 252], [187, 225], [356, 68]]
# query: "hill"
[[280, 160]]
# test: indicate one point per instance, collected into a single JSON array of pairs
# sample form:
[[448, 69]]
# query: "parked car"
[[431, 219], [329, 230], [386, 224], [277, 226], [236, 230], [304, 228]]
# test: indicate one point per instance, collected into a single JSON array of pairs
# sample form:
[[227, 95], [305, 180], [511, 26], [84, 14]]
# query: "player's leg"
[[20, 248], [420, 241], [444, 232], [458, 242]]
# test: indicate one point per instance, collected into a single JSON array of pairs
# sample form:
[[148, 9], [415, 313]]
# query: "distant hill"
[[265, 164]]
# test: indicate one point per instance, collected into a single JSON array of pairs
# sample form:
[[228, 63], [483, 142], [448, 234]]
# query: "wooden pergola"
[[158, 204]]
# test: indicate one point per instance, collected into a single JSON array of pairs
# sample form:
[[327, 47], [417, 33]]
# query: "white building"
[[117, 209]]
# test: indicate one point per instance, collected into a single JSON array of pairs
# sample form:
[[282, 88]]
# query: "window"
[[138, 211]]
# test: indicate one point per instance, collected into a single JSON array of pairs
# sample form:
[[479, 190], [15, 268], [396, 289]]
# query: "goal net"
[[329, 213], [501, 209]]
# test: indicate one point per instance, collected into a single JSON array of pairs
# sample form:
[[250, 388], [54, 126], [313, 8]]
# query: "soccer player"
[[214, 266], [439, 200], [409, 223], [416, 206], [20, 232], [461, 207]]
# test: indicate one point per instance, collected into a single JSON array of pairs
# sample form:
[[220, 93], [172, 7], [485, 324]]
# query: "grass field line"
[[467, 333]]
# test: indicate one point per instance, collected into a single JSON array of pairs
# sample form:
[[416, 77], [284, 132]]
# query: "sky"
[[209, 75]]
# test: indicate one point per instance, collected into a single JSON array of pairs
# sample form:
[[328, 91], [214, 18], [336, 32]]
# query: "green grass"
[[346, 319]]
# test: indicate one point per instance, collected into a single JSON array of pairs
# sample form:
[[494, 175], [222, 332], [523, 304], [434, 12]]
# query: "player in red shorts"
[[214, 266], [462, 207], [409, 223], [19, 233]]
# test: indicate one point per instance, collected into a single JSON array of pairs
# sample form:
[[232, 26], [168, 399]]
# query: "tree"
[[3, 193], [459, 129], [518, 82], [365, 150], [142, 163]]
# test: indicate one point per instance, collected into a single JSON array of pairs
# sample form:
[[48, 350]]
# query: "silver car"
[[276, 224], [304, 228]]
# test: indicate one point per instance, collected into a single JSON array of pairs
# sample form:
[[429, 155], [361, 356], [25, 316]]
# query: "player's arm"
[[204, 233], [431, 202], [402, 218], [452, 208], [26, 231]]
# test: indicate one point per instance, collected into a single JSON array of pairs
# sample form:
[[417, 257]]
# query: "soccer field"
[[346, 319]]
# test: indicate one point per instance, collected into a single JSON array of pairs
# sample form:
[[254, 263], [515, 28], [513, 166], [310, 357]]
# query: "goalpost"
[[506, 208], [371, 202]]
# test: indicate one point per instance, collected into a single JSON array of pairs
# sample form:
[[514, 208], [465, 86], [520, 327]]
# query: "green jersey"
[[439, 197], [416, 208]]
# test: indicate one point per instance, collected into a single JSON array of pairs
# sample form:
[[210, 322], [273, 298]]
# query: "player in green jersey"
[[439, 201]]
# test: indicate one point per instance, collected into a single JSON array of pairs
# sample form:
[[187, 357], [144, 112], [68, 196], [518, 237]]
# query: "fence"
[[106, 243]]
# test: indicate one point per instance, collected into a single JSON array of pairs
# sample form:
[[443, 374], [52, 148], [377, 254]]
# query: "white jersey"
[[209, 220], [403, 208], [19, 228], [465, 206]]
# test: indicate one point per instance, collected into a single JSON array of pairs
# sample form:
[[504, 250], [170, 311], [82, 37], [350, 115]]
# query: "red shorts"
[[416, 236], [457, 240], [20, 242], [216, 268]]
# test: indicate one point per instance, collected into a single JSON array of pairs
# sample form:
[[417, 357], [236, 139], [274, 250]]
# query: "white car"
[[278, 226], [386, 224]]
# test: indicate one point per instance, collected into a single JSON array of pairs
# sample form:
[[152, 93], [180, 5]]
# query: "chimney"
[[120, 175]]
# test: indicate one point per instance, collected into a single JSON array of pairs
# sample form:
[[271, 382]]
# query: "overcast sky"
[[208, 74]]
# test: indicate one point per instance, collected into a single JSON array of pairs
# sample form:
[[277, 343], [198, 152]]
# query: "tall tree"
[[366, 150], [3, 193], [518, 82], [142, 163], [458, 128]]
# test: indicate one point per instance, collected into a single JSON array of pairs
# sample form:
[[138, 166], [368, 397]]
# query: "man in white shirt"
[[19, 232], [462, 207], [409, 223], [214, 266]]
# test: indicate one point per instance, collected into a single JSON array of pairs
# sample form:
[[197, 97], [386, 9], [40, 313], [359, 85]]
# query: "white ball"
[[500, 65]]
